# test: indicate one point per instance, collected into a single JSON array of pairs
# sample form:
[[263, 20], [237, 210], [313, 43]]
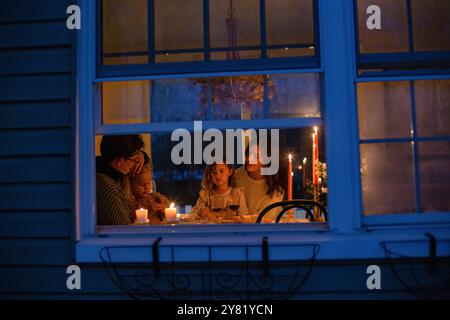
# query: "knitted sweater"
[[112, 205]]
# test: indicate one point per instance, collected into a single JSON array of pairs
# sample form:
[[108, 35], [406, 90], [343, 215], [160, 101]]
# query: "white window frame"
[[342, 238]]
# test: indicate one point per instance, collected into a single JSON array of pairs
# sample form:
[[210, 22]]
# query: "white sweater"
[[256, 195]]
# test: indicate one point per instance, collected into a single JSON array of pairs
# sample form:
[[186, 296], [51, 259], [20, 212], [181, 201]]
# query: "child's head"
[[218, 174], [141, 184]]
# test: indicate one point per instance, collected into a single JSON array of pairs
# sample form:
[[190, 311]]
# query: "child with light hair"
[[141, 195]]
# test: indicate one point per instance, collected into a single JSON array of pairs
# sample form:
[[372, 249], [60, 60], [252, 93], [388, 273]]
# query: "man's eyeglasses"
[[134, 160]]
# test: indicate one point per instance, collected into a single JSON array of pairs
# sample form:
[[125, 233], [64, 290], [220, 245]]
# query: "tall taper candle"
[[290, 178], [315, 156]]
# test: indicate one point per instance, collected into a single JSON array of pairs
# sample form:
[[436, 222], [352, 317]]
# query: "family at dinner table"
[[125, 184]]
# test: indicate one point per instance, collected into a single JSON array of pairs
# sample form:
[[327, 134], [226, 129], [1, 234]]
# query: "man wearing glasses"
[[120, 156]]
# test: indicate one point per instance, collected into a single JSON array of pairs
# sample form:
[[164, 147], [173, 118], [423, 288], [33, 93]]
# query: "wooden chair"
[[307, 205]]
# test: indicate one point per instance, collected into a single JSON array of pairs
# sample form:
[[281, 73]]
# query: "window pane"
[[245, 16], [179, 57], [384, 110], [214, 98], [432, 101], [126, 102], [125, 39], [387, 178], [434, 159], [296, 95], [431, 24], [182, 183], [178, 24], [175, 100], [289, 22], [243, 54], [174, 30], [393, 36], [291, 52]]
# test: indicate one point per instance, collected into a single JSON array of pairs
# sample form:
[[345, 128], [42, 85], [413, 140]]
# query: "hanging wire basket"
[[424, 278], [210, 280]]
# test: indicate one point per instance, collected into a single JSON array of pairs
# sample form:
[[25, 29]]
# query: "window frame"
[[405, 218], [421, 59], [208, 66], [340, 240]]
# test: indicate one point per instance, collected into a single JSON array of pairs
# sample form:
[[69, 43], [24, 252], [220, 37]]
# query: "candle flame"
[[141, 209], [172, 205], [290, 156], [304, 161], [315, 129], [299, 167]]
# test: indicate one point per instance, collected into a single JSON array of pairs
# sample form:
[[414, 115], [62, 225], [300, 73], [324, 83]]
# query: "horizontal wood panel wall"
[[36, 99]]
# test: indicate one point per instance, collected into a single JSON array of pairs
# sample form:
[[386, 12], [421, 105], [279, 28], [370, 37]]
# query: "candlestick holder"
[[316, 212]]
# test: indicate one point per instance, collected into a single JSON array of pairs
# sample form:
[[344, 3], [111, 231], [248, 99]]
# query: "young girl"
[[142, 196], [219, 197]]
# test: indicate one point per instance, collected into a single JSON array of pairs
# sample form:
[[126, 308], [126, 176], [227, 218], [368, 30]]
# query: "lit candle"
[[142, 215], [304, 177], [301, 169], [171, 213], [315, 156], [290, 178]]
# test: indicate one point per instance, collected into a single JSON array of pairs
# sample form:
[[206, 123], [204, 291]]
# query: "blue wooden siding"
[[36, 99], [36, 187]]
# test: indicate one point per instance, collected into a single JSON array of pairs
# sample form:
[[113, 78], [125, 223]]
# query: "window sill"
[[230, 246], [406, 219]]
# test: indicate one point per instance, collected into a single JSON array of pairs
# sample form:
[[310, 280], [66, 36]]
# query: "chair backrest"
[[307, 205]]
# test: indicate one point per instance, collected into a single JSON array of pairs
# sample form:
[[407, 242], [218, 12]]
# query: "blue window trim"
[[219, 124], [405, 219], [206, 67], [412, 243], [347, 235]]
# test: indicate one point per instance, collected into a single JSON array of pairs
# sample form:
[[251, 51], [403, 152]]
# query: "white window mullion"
[[338, 62], [85, 170]]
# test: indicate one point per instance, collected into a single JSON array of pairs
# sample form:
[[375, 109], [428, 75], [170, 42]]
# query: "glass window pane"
[[214, 98], [434, 164], [393, 35], [179, 57], [238, 97], [125, 39], [387, 178], [287, 95], [243, 54], [178, 28], [384, 110], [178, 24], [289, 22], [291, 52], [245, 16], [295, 95], [125, 59], [432, 101], [126, 102], [176, 100], [431, 24], [181, 183]]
